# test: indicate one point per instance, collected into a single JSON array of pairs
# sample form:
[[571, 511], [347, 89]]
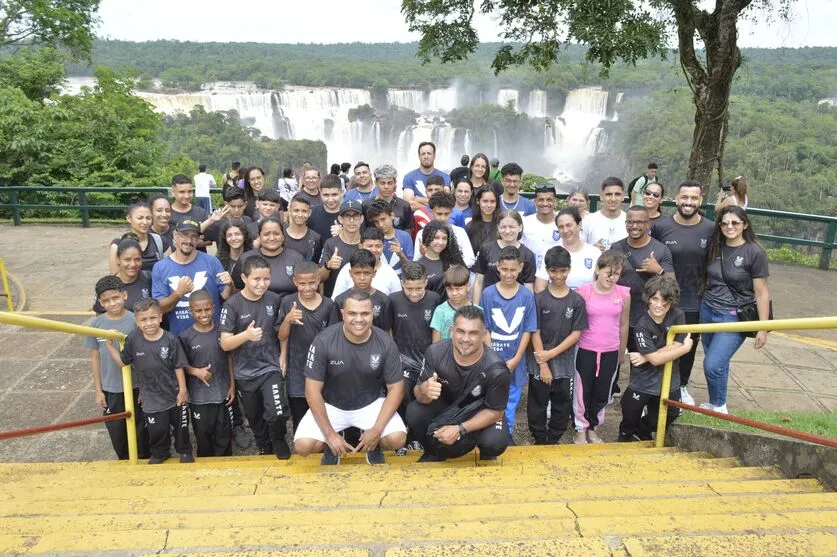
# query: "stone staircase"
[[593, 500]]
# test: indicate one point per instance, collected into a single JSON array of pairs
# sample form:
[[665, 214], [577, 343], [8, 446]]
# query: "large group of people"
[[413, 318]]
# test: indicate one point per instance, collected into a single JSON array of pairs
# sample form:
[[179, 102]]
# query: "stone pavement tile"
[[748, 354], [762, 376], [799, 355], [58, 375], [12, 370], [29, 409], [21, 449], [817, 382], [84, 407], [78, 444], [829, 402], [779, 401], [33, 345], [739, 399]]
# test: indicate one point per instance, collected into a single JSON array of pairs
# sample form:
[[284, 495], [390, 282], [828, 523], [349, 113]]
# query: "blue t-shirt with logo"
[[406, 243], [355, 194], [416, 180], [507, 319], [203, 270]]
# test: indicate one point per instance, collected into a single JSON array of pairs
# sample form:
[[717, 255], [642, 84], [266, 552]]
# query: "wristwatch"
[[462, 430]]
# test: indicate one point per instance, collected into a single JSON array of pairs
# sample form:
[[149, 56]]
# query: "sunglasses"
[[732, 223], [654, 194]]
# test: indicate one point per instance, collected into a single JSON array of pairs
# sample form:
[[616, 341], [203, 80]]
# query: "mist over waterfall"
[[561, 137]]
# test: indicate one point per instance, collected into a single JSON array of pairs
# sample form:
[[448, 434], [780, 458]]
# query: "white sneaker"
[[719, 409], [706, 406], [685, 397]]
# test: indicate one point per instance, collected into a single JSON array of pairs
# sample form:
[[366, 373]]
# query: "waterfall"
[[407, 98], [442, 100], [466, 143], [578, 131], [537, 103], [506, 96]]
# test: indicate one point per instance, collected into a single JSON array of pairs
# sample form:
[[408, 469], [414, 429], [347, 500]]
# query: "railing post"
[[6, 291], [15, 206], [664, 390], [830, 236], [131, 420], [85, 212]]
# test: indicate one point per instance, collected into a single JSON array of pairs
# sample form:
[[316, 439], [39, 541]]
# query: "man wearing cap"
[[364, 188], [539, 230], [184, 271], [338, 249]]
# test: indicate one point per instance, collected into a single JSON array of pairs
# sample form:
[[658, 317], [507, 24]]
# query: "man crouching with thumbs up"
[[249, 325], [461, 394]]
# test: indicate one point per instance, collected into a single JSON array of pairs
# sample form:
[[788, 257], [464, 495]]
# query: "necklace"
[[507, 207]]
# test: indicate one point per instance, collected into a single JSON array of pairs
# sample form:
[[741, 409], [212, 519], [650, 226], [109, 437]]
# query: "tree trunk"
[[710, 83]]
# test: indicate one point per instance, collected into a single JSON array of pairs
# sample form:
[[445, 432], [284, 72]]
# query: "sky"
[[339, 21]]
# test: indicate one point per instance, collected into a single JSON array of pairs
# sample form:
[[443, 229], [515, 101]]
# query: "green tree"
[[613, 31], [38, 73], [58, 23]]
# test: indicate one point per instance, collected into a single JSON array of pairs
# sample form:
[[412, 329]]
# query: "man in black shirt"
[[461, 371], [323, 219], [182, 208], [352, 379], [249, 325], [298, 236]]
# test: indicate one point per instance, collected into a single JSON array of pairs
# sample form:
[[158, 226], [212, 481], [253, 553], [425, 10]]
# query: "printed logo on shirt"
[[195, 347], [146, 293], [640, 340], [674, 242], [569, 313], [401, 315], [376, 311], [477, 391], [223, 315], [546, 311], [269, 310], [164, 352], [396, 222], [309, 361], [588, 262], [510, 329], [703, 243], [739, 261], [198, 282], [428, 315], [289, 270], [555, 236], [374, 361]]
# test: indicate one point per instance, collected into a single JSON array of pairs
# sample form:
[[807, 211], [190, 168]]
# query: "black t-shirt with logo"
[[344, 250], [688, 246], [557, 319], [381, 315], [734, 287], [309, 246], [492, 376], [137, 290], [202, 349], [154, 362], [213, 231], [353, 375], [650, 336], [281, 270], [253, 359], [486, 264], [435, 275], [411, 323], [313, 200], [402, 213], [302, 336], [636, 280], [321, 221]]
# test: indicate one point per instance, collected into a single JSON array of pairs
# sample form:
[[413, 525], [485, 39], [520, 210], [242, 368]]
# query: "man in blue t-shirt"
[[414, 182], [186, 270], [511, 200], [511, 318]]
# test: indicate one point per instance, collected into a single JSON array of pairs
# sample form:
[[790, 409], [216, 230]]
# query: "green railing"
[[79, 199]]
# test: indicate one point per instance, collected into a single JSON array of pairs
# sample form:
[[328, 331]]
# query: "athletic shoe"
[[415, 446], [580, 438], [266, 450], [282, 450], [329, 458], [685, 397], [402, 451], [375, 456], [242, 440], [593, 437], [157, 459], [719, 409], [427, 457], [187, 458], [706, 406]]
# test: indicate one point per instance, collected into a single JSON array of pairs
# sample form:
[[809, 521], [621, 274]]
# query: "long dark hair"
[[484, 157], [452, 254], [480, 231], [718, 239], [223, 253], [248, 189]]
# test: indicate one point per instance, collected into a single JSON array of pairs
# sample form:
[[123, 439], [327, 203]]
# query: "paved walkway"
[[44, 377]]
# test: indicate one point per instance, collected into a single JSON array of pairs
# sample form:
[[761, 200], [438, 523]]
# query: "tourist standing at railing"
[[233, 241], [734, 194], [203, 181], [736, 276], [539, 230], [483, 225], [511, 200], [324, 216], [153, 245], [687, 234], [463, 192]]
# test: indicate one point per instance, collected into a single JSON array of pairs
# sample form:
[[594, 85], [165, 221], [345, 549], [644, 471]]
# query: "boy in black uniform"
[[249, 322], [362, 271], [158, 360], [561, 318], [209, 379], [661, 296], [303, 315]]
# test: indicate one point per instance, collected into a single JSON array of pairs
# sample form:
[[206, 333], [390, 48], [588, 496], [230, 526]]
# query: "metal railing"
[[70, 328], [81, 203], [7, 292], [738, 327]]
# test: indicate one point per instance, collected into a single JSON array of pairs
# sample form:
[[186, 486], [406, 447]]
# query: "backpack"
[[158, 242], [633, 182]]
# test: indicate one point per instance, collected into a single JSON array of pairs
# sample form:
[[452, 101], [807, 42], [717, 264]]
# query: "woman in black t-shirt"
[[281, 260], [483, 225], [509, 232], [233, 240], [137, 281], [736, 275], [153, 245], [440, 252]]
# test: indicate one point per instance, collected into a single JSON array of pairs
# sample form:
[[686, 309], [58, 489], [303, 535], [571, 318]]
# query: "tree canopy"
[[58, 23]]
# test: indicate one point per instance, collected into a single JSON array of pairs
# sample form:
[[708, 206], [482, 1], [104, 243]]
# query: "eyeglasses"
[[732, 223], [636, 222], [652, 193]]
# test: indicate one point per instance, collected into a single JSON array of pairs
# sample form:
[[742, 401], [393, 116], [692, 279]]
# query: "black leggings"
[[594, 378]]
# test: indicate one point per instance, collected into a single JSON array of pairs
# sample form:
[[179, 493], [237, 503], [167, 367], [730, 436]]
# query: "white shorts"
[[362, 418]]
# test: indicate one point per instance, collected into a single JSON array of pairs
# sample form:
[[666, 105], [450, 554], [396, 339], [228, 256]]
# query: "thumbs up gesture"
[[254, 333], [335, 261], [295, 315], [650, 265], [431, 388]]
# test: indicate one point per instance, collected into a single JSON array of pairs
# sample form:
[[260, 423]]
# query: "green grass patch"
[[789, 255], [809, 422]]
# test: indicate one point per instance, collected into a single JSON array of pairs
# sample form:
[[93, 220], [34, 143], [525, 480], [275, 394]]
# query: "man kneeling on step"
[[461, 394], [353, 378]]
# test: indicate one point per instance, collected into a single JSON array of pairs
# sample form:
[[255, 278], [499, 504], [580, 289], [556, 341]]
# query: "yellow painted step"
[[594, 547], [332, 552], [718, 523], [385, 498], [810, 544]]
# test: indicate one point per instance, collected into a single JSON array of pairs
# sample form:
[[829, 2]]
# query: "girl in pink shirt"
[[601, 346]]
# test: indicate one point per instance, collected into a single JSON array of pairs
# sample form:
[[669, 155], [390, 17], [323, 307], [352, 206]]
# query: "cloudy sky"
[[334, 21]]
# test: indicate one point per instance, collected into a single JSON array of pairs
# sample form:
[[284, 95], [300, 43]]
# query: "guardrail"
[[827, 245], [70, 328], [7, 293], [738, 327]]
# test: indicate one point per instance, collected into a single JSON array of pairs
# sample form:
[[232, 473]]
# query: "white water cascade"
[[577, 131], [537, 104], [506, 96], [407, 98], [442, 100]]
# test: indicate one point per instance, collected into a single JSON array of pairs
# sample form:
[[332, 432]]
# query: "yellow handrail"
[[8, 293], [736, 327], [73, 329]]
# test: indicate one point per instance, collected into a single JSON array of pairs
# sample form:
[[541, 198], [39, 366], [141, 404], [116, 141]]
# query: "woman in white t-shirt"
[[583, 256]]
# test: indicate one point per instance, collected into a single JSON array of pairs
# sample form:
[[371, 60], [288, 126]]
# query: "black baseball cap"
[[350, 206], [188, 225]]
